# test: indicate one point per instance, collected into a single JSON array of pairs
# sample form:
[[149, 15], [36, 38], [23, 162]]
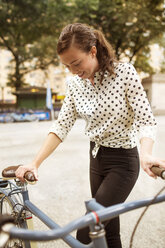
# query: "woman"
[[109, 96]]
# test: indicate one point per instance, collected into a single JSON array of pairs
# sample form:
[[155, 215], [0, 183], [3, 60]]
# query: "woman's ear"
[[93, 51]]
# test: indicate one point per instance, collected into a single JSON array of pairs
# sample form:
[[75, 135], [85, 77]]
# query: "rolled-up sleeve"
[[66, 118], [144, 120]]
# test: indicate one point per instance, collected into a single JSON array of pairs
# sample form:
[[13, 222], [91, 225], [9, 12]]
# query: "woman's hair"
[[84, 37]]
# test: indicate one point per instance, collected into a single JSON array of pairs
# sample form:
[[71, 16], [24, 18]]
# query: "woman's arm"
[[50, 144], [146, 158], [57, 134], [144, 120]]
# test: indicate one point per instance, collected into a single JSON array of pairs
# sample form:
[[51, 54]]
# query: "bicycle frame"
[[96, 214], [29, 206], [92, 219]]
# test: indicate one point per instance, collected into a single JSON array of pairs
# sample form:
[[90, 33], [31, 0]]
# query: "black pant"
[[113, 174]]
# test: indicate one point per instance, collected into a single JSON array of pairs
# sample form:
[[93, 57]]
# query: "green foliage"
[[130, 26]]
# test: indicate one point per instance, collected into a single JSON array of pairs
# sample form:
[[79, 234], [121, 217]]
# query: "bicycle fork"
[[97, 232]]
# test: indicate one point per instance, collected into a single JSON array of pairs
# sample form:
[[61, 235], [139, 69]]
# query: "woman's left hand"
[[147, 161]]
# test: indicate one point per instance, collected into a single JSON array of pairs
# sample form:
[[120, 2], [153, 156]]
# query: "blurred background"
[[32, 89], [32, 80]]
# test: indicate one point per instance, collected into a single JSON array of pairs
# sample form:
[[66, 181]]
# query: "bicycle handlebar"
[[9, 173], [102, 214]]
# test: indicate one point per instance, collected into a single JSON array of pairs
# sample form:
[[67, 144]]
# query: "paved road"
[[64, 184]]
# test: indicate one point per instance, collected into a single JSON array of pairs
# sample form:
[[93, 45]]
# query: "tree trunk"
[[17, 81]]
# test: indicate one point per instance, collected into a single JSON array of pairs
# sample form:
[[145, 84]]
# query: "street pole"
[[49, 104]]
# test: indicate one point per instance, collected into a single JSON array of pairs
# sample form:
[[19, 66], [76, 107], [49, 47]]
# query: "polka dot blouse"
[[115, 111]]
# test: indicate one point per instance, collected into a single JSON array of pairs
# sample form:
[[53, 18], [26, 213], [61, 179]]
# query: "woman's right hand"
[[20, 172]]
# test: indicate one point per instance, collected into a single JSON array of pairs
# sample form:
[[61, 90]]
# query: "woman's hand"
[[20, 172], [147, 161]]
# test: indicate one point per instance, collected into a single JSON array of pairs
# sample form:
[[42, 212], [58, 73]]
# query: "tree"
[[130, 26], [29, 30]]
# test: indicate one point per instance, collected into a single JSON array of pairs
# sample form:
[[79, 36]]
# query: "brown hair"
[[84, 37]]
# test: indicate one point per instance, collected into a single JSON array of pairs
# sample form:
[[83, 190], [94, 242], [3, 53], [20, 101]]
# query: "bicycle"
[[14, 200]]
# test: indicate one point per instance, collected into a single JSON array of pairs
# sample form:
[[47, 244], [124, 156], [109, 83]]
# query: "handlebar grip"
[[160, 172], [29, 176]]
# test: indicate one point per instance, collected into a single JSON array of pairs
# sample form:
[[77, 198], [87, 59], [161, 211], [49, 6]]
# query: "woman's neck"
[[91, 79]]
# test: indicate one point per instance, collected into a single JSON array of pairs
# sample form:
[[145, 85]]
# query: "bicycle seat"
[[9, 173]]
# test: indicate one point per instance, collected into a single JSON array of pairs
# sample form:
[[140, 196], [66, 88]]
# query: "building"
[[56, 76], [5, 92], [155, 89]]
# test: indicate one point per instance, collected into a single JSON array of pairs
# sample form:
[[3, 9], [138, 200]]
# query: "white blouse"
[[115, 110]]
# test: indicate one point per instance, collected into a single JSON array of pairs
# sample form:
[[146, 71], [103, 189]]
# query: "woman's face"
[[81, 63]]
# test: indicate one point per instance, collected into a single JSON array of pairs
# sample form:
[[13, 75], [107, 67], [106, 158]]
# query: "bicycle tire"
[[11, 205]]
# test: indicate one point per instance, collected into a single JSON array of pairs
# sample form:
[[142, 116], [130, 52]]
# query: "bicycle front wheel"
[[12, 206]]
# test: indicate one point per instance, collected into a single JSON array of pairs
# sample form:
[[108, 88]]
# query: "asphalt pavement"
[[63, 184]]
